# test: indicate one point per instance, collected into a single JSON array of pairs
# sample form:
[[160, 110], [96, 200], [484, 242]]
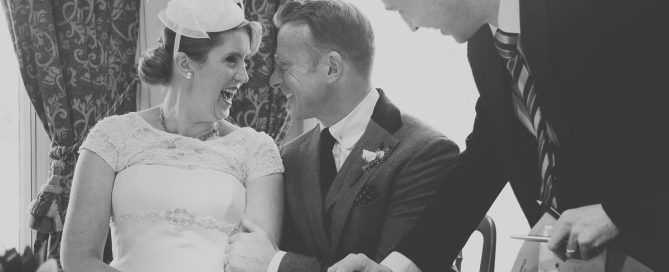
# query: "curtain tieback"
[[45, 208]]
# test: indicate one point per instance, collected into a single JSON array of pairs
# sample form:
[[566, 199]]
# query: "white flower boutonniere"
[[372, 158]]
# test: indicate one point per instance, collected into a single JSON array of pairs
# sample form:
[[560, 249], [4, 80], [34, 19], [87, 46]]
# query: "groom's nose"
[[275, 80]]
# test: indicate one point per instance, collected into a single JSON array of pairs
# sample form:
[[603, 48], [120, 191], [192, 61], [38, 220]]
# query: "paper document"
[[536, 257]]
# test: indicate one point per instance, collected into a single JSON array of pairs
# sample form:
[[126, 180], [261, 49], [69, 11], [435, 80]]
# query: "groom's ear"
[[335, 64]]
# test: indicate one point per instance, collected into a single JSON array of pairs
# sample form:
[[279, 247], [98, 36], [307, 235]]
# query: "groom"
[[357, 182]]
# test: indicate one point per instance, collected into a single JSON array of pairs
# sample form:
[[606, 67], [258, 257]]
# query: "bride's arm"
[[264, 204], [87, 222]]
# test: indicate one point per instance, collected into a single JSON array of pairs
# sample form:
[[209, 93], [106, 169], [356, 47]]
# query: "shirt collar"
[[349, 130], [508, 18]]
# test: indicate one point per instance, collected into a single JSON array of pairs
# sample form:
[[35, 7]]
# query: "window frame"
[[34, 146]]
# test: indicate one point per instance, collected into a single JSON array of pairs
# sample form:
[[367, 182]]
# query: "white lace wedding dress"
[[176, 199]]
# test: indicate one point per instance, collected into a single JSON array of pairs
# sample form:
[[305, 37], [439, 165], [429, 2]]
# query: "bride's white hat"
[[194, 18]]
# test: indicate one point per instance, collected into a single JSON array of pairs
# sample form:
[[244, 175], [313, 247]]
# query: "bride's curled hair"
[[155, 65]]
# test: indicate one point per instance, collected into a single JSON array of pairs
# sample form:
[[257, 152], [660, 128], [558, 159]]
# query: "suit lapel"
[[349, 171], [374, 138], [311, 189], [535, 44], [385, 120]]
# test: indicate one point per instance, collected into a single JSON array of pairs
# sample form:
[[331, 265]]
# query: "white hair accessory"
[[194, 18]]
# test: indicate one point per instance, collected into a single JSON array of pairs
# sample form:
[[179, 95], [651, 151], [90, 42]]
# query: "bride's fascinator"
[[194, 18]]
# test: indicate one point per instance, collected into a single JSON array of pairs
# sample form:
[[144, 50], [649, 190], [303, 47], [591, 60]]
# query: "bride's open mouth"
[[228, 93]]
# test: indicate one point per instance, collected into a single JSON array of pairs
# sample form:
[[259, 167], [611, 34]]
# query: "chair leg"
[[458, 262]]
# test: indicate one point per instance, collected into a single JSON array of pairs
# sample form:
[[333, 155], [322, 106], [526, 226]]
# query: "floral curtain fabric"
[[77, 61], [258, 105]]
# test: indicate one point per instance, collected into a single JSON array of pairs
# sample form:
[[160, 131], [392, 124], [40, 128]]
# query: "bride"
[[174, 181]]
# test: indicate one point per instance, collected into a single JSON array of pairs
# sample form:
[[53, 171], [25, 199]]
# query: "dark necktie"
[[328, 168], [528, 110]]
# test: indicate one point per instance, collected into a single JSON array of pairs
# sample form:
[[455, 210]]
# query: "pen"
[[531, 238], [549, 209], [534, 238]]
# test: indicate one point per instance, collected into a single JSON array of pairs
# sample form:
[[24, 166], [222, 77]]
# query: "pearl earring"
[[189, 75]]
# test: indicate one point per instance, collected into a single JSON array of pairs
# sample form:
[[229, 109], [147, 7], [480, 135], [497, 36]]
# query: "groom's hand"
[[358, 262], [250, 251]]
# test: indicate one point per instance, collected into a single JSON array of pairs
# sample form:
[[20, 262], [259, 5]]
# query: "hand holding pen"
[[580, 233]]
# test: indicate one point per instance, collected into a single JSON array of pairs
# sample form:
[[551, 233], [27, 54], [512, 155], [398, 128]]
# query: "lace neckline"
[[146, 124]]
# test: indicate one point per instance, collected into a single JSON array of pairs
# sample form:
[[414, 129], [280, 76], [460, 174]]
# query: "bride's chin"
[[222, 108], [222, 112]]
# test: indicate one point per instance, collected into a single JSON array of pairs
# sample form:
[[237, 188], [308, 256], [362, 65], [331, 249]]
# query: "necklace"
[[202, 138]]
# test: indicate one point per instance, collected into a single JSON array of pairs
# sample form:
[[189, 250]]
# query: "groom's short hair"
[[335, 26]]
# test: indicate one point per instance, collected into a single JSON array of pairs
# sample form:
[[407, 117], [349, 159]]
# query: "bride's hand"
[[252, 251]]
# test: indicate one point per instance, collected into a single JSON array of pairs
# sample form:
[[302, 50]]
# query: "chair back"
[[489, 233]]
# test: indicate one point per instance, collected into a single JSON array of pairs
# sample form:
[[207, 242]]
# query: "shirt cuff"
[[276, 261], [399, 263]]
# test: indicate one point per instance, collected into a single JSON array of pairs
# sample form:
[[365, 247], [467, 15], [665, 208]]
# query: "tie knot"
[[506, 43], [326, 138]]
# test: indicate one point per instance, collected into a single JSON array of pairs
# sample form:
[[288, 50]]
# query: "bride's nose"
[[241, 75]]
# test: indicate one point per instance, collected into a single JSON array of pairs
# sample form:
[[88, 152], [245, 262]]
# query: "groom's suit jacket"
[[600, 70], [403, 184]]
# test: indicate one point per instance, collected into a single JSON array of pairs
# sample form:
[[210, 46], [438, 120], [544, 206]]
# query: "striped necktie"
[[528, 110]]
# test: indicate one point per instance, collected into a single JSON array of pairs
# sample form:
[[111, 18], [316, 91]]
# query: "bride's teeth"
[[228, 93], [288, 96]]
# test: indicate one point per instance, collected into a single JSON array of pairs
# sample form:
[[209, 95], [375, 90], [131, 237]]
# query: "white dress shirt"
[[508, 19], [347, 132]]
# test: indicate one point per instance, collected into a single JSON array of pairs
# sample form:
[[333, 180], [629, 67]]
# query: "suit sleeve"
[[412, 190], [462, 200], [288, 236], [293, 262]]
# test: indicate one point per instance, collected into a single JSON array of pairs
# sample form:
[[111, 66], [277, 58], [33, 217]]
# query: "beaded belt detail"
[[180, 219]]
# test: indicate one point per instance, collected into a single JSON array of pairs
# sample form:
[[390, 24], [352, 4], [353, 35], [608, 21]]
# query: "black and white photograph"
[[334, 136]]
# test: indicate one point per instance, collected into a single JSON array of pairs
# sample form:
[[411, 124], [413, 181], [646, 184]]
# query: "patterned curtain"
[[258, 105], [77, 61]]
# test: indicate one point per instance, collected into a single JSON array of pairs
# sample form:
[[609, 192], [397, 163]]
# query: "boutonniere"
[[372, 158]]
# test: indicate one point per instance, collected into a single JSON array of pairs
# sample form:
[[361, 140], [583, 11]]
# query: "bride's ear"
[[184, 65]]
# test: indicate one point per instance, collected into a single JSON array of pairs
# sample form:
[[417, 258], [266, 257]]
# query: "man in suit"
[[571, 113], [357, 182]]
